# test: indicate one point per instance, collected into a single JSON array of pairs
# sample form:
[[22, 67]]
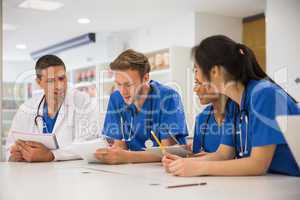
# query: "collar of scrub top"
[[211, 110], [46, 117], [243, 114], [133, 111], [64, 111]]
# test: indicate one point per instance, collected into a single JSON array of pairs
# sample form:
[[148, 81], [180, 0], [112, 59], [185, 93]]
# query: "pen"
[[177, 142], [159, 144], [174, 138], [108, 140], [186, 185]]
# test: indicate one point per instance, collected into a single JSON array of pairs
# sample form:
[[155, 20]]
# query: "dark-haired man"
[[69, 114]]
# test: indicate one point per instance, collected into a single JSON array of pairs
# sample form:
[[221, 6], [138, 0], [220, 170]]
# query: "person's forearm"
[[224, 152], [141, 157], [215, 156], [236, 167]]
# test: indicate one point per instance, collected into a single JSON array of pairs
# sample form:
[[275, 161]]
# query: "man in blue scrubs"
[[136, 108]]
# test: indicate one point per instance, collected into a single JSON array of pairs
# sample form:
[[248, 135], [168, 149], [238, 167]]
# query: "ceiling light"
[[83, 21], [41, 5], [21, 46]]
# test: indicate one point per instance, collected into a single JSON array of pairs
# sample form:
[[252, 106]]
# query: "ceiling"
[[38, 29]]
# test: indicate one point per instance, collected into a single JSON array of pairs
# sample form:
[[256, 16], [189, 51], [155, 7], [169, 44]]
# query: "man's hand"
[[112, 155], [34, 151], [15, 154]]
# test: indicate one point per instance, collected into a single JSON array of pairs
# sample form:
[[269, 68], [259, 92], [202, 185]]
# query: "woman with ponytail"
[[256, 145]]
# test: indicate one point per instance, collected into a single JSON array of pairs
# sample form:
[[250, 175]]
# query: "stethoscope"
[[131, 134], [41, 117], [202, 144], [239, 152], [242, 113]]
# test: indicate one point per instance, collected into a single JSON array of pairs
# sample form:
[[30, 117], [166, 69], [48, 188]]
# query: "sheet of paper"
[[87, 149]]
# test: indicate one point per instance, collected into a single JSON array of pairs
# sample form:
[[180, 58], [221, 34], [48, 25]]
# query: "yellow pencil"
[[159, 144]]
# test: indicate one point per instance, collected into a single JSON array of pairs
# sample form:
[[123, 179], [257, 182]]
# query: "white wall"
[[179, 31], [185, 31], [17, 70], [283, 43], [211, 24]]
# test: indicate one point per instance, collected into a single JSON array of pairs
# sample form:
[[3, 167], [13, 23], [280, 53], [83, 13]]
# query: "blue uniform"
[[49, 122], [207, 132], [161, 112], [262, 102]]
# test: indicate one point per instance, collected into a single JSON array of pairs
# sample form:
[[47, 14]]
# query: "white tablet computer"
[[49, 140], [175, 150]]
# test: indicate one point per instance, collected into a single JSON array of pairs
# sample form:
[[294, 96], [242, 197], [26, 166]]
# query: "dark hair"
[[47, 61], [237, 59], [133, 60]]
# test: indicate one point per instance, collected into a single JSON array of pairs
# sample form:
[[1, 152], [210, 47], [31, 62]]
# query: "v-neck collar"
[[45, 112], [214, 119], [145, 104]]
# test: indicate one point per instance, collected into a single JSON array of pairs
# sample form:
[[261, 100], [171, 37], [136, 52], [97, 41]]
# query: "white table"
[[74, 180]]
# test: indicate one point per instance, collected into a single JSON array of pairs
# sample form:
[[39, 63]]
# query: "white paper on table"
[[87, 149]]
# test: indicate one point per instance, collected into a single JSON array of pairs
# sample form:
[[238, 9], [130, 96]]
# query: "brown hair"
[[133, 60], [47, 61]]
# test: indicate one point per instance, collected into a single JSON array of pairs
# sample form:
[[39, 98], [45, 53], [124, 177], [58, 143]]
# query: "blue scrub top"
[[48, 121], [161, 112], [264, 101], [207, 128]]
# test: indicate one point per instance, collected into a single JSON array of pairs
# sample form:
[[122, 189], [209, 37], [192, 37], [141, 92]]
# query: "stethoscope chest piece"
[[148, 144]]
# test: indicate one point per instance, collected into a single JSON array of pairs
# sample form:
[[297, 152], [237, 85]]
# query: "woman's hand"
[[168, 159], [185, 167]]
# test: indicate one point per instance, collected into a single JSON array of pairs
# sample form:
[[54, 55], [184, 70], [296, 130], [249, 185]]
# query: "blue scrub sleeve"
[[172, 118], [112, 122], [267, 104]]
